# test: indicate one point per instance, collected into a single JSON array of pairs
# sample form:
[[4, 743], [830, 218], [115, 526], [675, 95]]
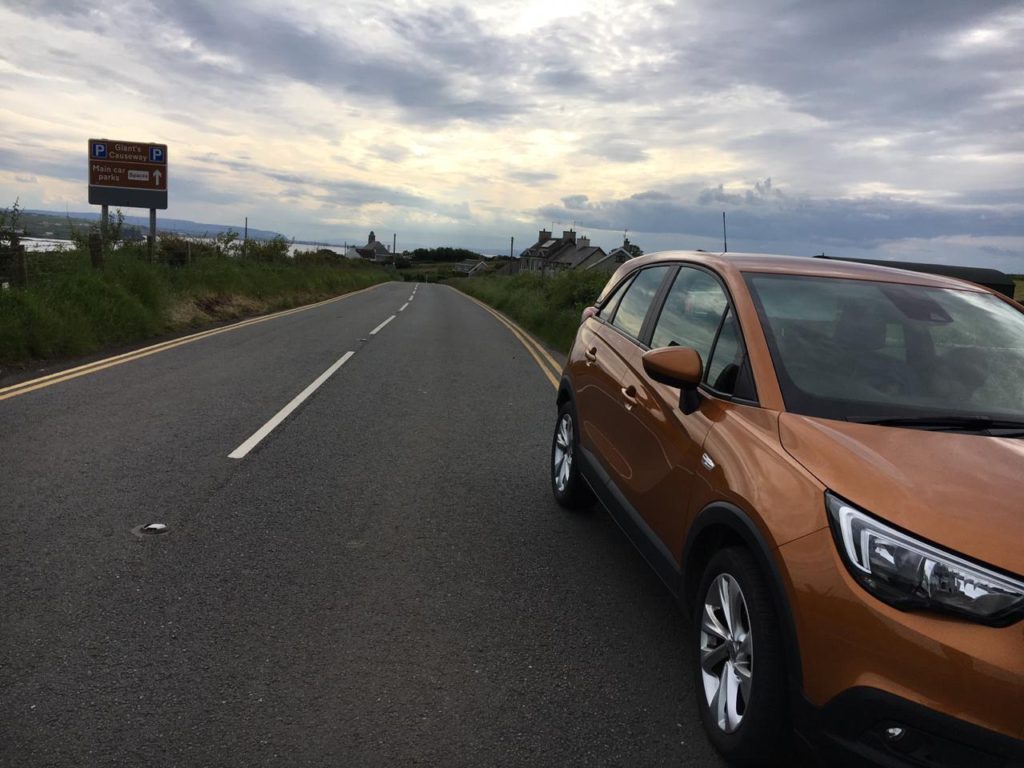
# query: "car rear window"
[[692, 313], [629, 317]]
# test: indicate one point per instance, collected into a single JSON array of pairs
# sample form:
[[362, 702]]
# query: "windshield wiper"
[[950, 424]]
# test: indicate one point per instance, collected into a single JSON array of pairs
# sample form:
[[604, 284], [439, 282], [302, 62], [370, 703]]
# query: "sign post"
[[128, 174]]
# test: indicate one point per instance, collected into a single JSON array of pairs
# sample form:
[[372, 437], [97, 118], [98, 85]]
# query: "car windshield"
[[864, 350]]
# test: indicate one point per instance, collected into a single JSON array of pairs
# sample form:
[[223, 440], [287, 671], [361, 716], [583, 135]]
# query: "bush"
[[81, 310], [320, 256], [180, 251], [275, 249], [548, 306], [441, 254]]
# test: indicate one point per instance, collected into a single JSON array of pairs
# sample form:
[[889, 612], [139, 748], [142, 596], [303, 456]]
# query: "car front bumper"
[[866, 726], [952, 690]]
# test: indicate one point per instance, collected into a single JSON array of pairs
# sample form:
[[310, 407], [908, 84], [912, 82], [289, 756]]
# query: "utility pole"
[[512, 249], [245, 237], [394, 243], [725, 240]]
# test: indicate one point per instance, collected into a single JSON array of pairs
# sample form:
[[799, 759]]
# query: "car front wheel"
[[740, 675]]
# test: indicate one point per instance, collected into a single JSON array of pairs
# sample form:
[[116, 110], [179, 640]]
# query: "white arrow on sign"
[[156, 177]]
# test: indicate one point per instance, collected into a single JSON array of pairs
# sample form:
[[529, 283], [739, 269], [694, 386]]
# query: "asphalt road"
[[383, 580]]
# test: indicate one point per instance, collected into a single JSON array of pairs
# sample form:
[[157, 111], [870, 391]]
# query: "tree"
[[10, 219]]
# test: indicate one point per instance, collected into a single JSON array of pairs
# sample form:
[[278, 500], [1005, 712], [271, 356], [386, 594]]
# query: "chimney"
[[584, 242], [569, 234], [544, 236]]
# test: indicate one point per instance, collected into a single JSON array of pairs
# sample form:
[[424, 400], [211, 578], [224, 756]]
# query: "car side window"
[[629, 317], [728, 370], [608, 310], [692, 313]]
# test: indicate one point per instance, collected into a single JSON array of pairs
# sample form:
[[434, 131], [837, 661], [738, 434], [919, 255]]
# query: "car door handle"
[[591, 355], [629, 397]]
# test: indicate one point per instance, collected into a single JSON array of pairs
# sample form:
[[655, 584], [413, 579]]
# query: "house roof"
[[593, 260], [374, 248], [577, 254], [549, 250]]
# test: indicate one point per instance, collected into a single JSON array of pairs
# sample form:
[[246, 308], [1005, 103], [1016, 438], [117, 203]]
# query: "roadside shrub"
[[320, 256], [81, 310], [179, 251], [548, 306], [275, 249]]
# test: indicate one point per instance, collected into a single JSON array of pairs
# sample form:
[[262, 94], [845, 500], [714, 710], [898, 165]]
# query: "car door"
[[604, 340], [665, 443]]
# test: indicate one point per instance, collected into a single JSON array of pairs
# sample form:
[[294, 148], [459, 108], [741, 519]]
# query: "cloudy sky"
[[871, 127]]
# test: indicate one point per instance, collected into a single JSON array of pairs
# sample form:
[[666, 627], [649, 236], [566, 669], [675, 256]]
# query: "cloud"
[[760, 194], [431, 83], [56, 165], [575, 202], [766, 215], [532, 177], [392, 153], [617, 148], [357, 193]]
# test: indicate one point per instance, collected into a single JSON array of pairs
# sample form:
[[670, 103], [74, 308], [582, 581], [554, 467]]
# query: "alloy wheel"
[[726, 652], [562, 455]]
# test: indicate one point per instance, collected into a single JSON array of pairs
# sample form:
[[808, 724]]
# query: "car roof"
[[798, 265]]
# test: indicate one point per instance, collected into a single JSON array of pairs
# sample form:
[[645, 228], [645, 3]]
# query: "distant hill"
[[57, 225]]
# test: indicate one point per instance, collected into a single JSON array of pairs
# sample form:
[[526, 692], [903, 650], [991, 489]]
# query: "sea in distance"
[[43, 244]]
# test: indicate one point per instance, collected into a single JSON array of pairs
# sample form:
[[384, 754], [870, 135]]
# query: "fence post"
[[20, 276], [151, 240], [96, 250]]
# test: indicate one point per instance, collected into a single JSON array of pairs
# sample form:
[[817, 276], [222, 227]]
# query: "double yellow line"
[[25, 387], [548, 365]]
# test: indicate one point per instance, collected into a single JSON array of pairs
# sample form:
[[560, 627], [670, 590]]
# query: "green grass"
[[426, 272], [549, 307], [1018, 293], [70, 309]]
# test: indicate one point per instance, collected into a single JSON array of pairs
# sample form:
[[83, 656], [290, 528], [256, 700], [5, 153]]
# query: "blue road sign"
[[99, 151], [157, 155]]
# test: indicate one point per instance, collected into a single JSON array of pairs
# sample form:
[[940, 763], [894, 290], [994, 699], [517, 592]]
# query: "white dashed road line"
[[257, 437], [241, 451], [380, 327]]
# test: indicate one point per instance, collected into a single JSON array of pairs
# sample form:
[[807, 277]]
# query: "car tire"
[[567, 484], [740, 675]]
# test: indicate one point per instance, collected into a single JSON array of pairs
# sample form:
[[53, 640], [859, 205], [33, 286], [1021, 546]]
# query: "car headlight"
[[910, 574]]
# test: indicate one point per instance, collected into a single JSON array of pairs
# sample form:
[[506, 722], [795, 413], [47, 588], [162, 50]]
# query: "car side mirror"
[[677, 367], [588, 313]]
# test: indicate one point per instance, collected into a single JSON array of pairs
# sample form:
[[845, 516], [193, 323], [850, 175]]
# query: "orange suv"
[[824, 461]]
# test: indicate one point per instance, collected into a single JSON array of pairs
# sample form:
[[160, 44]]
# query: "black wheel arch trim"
[[565, 391], [725, 515]]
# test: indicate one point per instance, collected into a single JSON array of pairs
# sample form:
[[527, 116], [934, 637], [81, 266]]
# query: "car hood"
[[963, 492]]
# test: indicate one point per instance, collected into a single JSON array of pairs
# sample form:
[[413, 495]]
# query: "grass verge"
[[82, 310], [548, 307]]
